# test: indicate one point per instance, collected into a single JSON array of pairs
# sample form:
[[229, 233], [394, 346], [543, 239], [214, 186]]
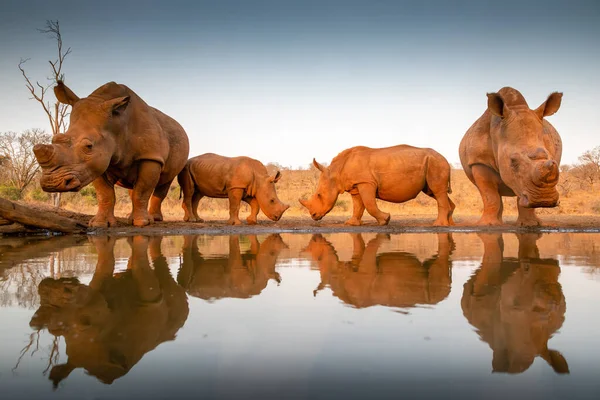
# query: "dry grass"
[[577, 198]]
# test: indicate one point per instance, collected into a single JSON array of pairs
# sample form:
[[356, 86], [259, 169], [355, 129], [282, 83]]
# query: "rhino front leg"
[[147, 179], [367, 193], [487, 182], [527, 216], [358, 209], [156, 200], [105, 192], [254, 209], [235, 198]]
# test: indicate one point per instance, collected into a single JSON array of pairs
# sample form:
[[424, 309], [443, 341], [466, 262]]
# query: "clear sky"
[[286, 81]]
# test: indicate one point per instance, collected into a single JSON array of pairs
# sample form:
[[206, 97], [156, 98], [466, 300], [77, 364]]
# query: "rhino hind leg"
[[196, 197], [156, 200], [367, 193], [358, 209], [235, 198], [488, 183], [527, 216]]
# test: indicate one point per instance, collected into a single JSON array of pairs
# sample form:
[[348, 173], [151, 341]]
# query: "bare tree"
[[20, 165], [588, 170], [55, 111]]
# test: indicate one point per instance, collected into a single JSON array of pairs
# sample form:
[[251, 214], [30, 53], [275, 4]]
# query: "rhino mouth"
[[526, 200], [63, 181]]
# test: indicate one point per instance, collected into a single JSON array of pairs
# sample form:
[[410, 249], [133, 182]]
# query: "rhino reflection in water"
[[516, 305], [237, 275], [111, 323], [393, 279]]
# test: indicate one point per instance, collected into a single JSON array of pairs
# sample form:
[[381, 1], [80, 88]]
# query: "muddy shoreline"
[[333, 224]]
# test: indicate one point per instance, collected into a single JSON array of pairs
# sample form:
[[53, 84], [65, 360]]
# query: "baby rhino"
[[236, 178], [396, 174]]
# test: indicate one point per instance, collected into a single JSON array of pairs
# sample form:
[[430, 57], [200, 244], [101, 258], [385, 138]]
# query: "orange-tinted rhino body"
[[114, 137], [512, 150], [235, 178], [396, 174]]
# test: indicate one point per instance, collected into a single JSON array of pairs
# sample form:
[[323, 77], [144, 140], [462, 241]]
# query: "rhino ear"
[[318, 166], [496, 105], [64, 94], [550, 106], [276, 177], [117, 105]]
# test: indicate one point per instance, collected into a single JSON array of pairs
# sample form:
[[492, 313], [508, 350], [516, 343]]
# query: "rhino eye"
[[272, 201]]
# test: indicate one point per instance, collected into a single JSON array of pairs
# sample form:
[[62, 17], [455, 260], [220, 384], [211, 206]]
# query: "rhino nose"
[[71, 183]]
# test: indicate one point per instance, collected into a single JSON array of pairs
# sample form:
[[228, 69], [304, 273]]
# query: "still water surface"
[[460, 315]]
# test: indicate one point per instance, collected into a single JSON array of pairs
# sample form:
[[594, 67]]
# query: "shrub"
[[596, 207], [88, 191], [10, 193], [38, 194], [343, 204]]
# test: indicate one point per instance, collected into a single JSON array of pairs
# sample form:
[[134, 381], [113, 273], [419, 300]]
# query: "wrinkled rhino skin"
[[396, 174], [512, 150], [239, 275], [235, 178], [516, 305], [114, 137], [110, 324], [391, 279]]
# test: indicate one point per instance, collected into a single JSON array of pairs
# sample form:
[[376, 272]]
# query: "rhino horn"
[[43, 153]]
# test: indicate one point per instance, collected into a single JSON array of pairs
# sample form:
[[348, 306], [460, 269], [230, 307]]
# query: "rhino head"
[[528, 165], [84, 151], [323, 200], [266, 195]]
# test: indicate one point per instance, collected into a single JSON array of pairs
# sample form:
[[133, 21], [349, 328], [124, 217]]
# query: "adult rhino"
[[235, 178], [396, 174], [114, 137], [512, 150]]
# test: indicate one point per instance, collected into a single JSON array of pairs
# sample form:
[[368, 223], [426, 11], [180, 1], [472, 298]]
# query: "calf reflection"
[[516, 304], [393, 279], [111, 323], [237, 275]]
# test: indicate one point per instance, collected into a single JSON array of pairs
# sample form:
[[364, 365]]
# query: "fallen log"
[[4, 222], [32, 217]]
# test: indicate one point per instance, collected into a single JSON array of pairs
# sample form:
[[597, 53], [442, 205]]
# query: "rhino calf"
[[114, 137], [396, 174], [235, 178], [512, 150]]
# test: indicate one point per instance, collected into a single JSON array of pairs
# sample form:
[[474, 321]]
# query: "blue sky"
[[286, 81]]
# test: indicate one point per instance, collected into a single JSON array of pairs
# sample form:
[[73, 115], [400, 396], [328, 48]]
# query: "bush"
[[596, 207], [10, 193], [88, 191], [343, 204], [38, 194]]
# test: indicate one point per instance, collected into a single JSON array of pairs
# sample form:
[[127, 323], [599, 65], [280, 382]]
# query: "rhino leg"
[[254, 209], [488, 182], [367, 193], [147, 179], [156, 200], [235, 198], [105, 193], [527, 216], [358, 208], [195, 201]]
